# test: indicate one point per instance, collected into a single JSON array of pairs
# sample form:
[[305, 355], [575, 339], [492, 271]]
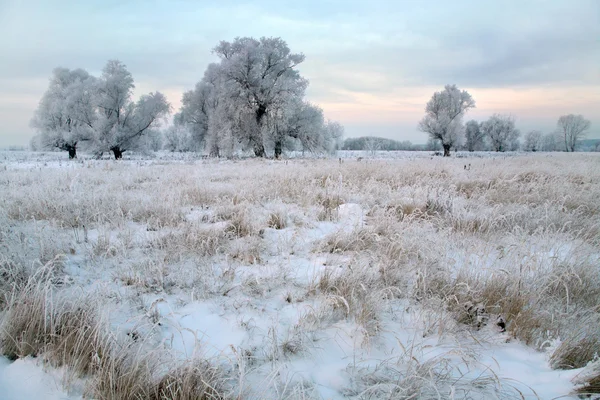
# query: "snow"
[[26, 379], [253, 310]]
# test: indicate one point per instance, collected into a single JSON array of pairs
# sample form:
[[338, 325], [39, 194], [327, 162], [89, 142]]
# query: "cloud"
[[366, 61]]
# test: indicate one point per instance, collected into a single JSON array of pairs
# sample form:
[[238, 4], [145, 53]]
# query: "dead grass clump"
[[197, 196], [122, 373], [246, 250], [40, 323], [26, 328], [406, 377], [480, 300], [580, 347], [76, 336], [573, 285], [191, 240], [329, 206], [238, 218], [575, 353], [406, 211], [355, 293], [277, 220], [195, 380], [157, 214], [361, 239], [13, 277], [589, 380], [471, 189]]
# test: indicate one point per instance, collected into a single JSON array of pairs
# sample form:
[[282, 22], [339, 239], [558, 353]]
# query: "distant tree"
[[533, 141], [501, 131], [433, 145], [152, 140], [65, 115], [549, 142], [122, 122], [514, 144], [474, 136], [443, 118], [366, 143], [372, 145], [572, 128], [178, 138]]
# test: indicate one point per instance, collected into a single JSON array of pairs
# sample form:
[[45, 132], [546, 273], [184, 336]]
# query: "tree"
[[549, 142], [443, 118], [572, 128], [474, 136], [433, 145], [65, 115], [533, 141], [252, 100], [178, 138], [501, 131], [121, 122], [262, 74]]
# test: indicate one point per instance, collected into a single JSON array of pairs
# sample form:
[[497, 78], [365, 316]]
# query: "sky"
[[372, 65]]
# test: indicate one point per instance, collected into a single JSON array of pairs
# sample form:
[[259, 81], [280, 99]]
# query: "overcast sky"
[[372, 65]]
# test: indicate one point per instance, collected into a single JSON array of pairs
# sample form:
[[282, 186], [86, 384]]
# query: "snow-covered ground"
[[315, 278]]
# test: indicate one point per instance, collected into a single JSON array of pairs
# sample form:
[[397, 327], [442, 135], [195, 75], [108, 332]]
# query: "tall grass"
[[513, 240]]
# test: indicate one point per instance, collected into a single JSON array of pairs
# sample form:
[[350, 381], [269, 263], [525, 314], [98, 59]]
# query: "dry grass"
[[517, 238], [195, 380]]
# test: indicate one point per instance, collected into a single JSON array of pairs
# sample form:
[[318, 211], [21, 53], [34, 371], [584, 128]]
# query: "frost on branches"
[[79, 109], [443, 116], [253, 100]]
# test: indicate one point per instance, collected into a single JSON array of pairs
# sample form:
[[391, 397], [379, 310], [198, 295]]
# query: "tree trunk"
[[117, 152], [259, 149], [278, 149], [257, 145], [446, 150], [72, 152], [214, 150]]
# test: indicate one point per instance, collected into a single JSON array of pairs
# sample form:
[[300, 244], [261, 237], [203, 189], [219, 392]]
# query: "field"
[[397, 276]]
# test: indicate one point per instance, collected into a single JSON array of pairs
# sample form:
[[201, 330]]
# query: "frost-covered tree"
[[262, 73], [121, 122], [443, 116], [533, 141], [549, 142], [178, 138], [474, 136], [78, 107], [65, 115], [501, 131], [572, 128], [253, 100]]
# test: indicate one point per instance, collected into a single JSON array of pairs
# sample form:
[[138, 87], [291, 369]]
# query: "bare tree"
[[443, 116], [372, 145], [572, 128]]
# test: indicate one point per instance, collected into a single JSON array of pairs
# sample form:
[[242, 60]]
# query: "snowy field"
[[396, 275]]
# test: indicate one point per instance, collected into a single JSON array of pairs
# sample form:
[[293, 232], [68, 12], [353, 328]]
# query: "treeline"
[[251, 101], [444, 114], [373, 143]]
